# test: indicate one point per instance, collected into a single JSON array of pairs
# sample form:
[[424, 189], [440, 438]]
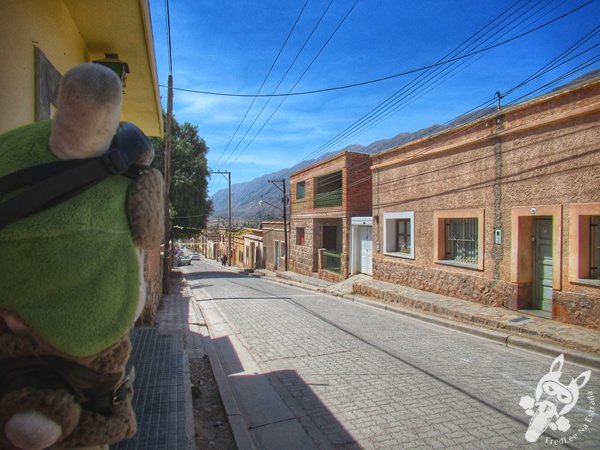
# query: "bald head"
[[88, 112]]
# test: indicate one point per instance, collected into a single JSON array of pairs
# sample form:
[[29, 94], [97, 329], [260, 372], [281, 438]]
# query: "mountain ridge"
[[245, 196]]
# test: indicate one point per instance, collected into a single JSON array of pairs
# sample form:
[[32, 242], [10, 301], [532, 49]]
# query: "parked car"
[[196, 256], [184, 260]]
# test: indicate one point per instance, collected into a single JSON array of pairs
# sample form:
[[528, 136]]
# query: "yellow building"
[[42, 39]]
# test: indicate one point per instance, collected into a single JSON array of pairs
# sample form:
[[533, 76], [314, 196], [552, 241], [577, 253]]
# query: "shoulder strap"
[[45, 185], [48, 184]]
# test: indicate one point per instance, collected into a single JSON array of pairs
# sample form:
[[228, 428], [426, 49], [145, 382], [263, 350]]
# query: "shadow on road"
[[280, 409]]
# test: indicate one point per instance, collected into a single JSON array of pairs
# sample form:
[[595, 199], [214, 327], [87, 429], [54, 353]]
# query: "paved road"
[[359, 377]]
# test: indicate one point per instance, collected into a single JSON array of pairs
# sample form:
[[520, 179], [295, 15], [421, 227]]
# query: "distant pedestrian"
[[224, 260]]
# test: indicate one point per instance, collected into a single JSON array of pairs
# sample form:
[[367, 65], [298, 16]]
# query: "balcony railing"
[[332, 261], [329, 199]]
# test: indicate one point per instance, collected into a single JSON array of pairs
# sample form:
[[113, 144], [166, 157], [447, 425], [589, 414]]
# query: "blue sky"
[[229, 46]]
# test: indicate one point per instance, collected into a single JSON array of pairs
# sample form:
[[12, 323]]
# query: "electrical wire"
[[265, 79], [422, 84], [388, 77], [306, 41], [299, 79], [533, 76], [461, 129], [553, 64]]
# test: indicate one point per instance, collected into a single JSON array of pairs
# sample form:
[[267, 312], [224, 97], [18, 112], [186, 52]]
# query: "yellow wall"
[[71, 32], [25, 24]]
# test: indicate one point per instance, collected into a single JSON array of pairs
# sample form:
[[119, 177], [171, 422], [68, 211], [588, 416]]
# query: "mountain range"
[[245, 196]]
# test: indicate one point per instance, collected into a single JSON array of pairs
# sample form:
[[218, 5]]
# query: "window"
[[282, 249], [403, 235], [584, 243], [398, 234], [328, 190], [330, 237], [458, 238], [299, 236], [300, 190], [462, 240]]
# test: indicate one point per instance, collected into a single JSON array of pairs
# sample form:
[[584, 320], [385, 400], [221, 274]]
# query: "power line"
[[389, 77], [265, 79], [416, 87], [553, 64], [282, 79], [299, 79]]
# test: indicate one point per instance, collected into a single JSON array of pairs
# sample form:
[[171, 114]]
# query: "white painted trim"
[[399, 215]]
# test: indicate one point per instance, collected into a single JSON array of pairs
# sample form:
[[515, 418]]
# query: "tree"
[[190, 205]]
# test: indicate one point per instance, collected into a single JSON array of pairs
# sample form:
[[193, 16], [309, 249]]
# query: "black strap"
[[45, 185], [94, 391], [50, 184]]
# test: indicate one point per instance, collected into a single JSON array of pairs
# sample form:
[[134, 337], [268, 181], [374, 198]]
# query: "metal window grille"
[[594, 247], [403, 235], [462, 240]]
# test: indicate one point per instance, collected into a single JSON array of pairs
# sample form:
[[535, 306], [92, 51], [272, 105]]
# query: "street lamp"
[[260, 202], [112, 61]]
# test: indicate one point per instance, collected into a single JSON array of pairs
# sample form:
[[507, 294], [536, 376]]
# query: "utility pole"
[[285, 228], [167, 253], [223, 172], [167, 248]]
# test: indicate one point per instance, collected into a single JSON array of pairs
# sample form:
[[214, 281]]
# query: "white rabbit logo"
[[552, 401]]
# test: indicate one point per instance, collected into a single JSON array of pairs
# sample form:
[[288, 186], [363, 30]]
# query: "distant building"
[[273, 245], [503, 211], [324, 198]]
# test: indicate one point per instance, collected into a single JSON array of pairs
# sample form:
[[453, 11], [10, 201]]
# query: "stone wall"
[[544, 155], [303, 257]]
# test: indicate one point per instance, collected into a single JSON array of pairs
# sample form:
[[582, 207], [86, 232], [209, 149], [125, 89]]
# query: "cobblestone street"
[[358, 377]]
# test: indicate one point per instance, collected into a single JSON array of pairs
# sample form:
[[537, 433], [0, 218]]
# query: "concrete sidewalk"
[[513, 328]]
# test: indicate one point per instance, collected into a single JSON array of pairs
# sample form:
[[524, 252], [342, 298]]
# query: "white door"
[[365, 237]]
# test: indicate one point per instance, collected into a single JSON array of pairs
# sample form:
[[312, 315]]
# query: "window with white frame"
[[398, 234]]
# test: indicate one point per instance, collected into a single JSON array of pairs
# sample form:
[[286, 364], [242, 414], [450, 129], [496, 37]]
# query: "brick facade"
[[538, 159], [351, 173]]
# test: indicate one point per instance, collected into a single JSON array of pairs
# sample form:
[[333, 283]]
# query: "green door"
[[542, 270]]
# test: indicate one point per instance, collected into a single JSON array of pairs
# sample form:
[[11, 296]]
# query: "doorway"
[[365, 238], [276, 256], [542, 264], [330, 237]]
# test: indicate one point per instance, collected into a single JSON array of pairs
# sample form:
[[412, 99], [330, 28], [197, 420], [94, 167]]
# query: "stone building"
[[324, 198], [504, 210]]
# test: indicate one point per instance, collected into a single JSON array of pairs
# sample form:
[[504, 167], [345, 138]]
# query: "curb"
[[502, 337], [239, 428], [237, 424]]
